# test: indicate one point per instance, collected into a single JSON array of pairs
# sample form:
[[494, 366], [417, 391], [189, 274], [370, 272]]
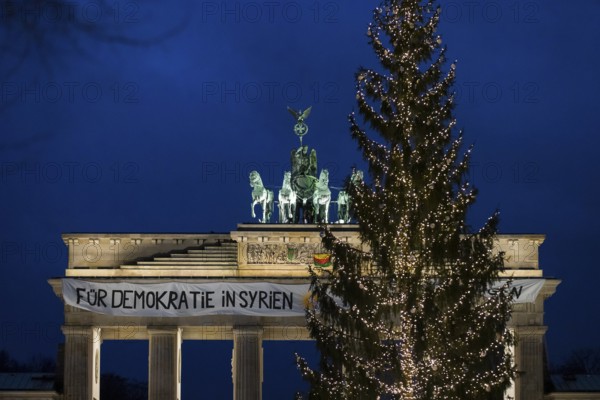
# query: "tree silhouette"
[[585, 361]]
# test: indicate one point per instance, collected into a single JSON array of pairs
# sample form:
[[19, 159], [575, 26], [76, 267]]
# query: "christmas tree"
[[410, 316]]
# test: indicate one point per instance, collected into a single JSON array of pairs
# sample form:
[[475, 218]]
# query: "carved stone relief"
[[282, 253]]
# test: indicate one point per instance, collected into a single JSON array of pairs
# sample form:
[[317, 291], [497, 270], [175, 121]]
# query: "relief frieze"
[[282, 253]]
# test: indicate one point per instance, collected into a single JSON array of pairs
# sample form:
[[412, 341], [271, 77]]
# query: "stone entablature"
[[263, 250], [111, 250]]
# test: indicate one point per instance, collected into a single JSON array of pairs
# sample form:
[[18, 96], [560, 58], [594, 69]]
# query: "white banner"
[[182, 299], [523, 290]]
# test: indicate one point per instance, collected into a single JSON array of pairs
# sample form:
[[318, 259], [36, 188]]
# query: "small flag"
[[322, 260]]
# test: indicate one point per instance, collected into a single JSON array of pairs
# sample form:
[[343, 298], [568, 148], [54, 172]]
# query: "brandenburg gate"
[[248, 285], [252, 254]]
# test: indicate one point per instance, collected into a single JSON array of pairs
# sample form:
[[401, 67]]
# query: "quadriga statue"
[[344, 202], [322, 198], [287, 200], [262, 196], [303, 179]]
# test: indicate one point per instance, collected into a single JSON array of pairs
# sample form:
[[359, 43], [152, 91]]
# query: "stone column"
[[82, 362], [247, 363], [164, 363], [529, 359]]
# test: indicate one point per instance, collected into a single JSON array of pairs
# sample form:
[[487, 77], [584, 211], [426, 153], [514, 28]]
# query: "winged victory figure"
[[300, 115]]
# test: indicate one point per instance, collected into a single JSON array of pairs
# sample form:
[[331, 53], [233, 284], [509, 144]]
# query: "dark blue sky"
[[160, 135]]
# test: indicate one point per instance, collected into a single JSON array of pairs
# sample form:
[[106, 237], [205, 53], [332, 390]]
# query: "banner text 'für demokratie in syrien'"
[[180, 299]]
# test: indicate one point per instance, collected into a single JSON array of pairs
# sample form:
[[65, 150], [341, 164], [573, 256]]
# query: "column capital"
[[530, 330], [164, 330], [80, 330], [247, 329]]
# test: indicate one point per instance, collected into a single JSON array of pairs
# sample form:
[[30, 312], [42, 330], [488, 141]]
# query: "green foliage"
[[410, 318]]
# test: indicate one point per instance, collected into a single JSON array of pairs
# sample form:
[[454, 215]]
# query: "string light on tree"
[[408, 319]]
